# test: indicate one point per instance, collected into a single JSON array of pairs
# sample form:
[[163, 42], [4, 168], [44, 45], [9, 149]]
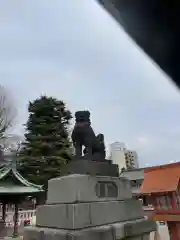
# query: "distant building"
[[131, 159], [161, 186], [136, 177], [117, 154], [118, 146], [124, 158]]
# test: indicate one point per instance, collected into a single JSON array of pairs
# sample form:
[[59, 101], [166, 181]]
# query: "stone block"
[[123, 230], [82, 215], [146, 236], [85, 188], [105, 232], [99, 233], [33, 233], [139, 227], [102, 233], [95, 168]]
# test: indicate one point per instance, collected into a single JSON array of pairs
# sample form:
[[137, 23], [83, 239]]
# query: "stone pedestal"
[[82, 166], [87, 207]]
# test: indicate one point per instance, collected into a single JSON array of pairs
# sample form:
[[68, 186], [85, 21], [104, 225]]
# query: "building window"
[[158, 203], [145, 200], [177, 197], [136, 183], [168, 201], [163, 202]]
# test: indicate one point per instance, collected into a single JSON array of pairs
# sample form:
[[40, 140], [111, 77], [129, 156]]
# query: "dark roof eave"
[[28, 193]]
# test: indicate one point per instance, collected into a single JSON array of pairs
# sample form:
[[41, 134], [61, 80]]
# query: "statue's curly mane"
[[82, 116]]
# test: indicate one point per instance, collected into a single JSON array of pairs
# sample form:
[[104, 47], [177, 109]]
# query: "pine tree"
[[47, 145]]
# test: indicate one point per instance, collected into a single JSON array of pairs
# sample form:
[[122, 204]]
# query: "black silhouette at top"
[[84, 136]]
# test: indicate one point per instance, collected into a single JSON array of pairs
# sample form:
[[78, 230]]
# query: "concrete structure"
[[140, 20], [136, 178], [131, 158], [118, 146], [124, 158], [84, 207], [117, 154], [162, 231]]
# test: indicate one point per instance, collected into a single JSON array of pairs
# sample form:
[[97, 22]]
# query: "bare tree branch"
[[7, 113], [12, 144]]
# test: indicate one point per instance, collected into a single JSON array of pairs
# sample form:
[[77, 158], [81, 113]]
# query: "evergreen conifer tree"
[[47, 145]]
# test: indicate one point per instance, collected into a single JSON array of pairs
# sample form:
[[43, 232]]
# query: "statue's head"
[[82, 116]]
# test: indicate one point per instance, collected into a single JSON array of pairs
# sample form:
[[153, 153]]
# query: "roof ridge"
[[24, 181], [5, 172], [164, 166]]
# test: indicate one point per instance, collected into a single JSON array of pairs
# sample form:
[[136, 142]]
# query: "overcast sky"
[[75, 51]]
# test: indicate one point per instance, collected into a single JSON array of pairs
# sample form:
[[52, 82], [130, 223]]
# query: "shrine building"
[[161, 187]]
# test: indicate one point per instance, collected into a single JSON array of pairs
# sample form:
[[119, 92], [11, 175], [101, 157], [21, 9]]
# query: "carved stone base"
[[134, 230], [95, 168], [86, 207]]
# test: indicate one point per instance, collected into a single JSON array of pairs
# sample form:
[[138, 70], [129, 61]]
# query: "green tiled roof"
[[21, 186], [18, 190]]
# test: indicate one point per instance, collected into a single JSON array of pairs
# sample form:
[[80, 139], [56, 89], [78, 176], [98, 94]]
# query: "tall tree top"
[[47, 144], [48, 105]]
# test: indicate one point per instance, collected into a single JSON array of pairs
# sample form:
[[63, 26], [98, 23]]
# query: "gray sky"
[[75, 51]]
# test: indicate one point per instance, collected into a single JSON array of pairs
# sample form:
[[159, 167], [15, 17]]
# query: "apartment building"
[[124, 158], [131, 159]]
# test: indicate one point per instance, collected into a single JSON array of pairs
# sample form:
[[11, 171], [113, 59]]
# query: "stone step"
[[83, 215], [134, 230]]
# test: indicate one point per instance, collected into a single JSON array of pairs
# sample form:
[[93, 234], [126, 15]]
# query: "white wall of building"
[[117, 154], [123, 157], [116, 146]]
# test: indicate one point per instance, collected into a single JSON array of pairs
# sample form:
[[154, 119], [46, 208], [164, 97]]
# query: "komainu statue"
[[98, 149], [84, 136]]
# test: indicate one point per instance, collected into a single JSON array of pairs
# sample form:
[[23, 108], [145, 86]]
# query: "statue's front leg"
[[90, 155], [78, 149], [89, 151]]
